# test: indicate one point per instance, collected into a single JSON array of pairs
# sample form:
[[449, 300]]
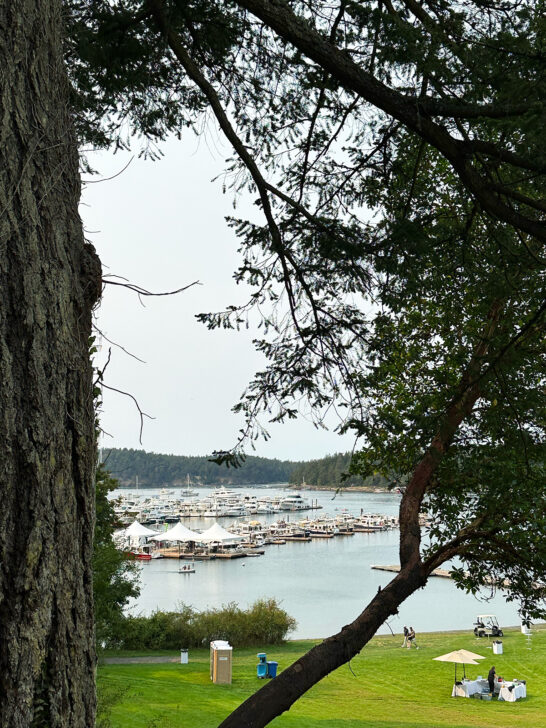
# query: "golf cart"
[[487, 625]]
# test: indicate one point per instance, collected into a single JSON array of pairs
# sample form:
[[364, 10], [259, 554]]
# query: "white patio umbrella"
[[217, 533], [137, 529], [178, 532], [460, 657]]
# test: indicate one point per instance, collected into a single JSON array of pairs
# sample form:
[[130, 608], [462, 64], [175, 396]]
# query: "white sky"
[[161, 225]]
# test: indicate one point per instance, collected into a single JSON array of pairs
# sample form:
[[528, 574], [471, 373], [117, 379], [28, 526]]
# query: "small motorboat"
[[187, 569], [140, 555]]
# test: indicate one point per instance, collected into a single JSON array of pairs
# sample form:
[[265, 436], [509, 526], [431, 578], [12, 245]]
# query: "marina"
[[323, 583], [159, 523], [170, 506]]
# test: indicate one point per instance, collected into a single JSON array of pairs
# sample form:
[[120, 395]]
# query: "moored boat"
[[140, 555]]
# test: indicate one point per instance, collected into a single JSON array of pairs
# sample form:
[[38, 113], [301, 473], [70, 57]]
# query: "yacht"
[[232, 509], [370, 522], [294, 503], [216, 511], [222, 492]]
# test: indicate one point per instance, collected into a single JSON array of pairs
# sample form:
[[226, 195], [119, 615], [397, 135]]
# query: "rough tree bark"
[[50, 280]]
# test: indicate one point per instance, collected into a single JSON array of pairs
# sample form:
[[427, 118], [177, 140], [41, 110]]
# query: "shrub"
[[263, 623]]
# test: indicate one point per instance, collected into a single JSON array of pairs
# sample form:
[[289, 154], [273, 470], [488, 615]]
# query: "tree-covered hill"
[[158, 470], [328, 471]]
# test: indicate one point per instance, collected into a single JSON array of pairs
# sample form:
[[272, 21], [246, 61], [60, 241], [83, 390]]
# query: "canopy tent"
[[178, 532], [217, 533], [460, 657], [136, 529]]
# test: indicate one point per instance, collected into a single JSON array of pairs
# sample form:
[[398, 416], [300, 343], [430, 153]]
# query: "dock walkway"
[[446, 574], [443, 573]]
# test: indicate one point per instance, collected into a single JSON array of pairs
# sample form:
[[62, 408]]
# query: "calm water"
[[324, 584]]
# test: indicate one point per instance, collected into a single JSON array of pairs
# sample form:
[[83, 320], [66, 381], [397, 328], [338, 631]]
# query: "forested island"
[[154, 470], [328, 472]]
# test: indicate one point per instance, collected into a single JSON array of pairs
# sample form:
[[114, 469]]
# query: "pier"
[[442, 573]]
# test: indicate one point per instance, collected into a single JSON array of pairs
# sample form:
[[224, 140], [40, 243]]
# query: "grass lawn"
[[385, 687]]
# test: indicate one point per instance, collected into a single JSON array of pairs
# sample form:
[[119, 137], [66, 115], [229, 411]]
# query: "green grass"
[[384, 687]]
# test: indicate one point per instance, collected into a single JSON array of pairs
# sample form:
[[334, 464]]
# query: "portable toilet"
[[261, 667], [220, 662], [272, 668]]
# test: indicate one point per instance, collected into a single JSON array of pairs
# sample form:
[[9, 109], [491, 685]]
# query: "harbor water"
[[324, 584]]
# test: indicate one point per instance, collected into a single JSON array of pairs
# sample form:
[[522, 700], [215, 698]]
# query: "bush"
[[263, 623]]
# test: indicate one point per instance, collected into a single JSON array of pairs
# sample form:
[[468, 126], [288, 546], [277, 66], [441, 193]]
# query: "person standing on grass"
[[411, 638], [406, 633], [491, 680]]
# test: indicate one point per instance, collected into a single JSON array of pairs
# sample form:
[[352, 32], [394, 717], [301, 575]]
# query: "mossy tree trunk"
[[50, 280]]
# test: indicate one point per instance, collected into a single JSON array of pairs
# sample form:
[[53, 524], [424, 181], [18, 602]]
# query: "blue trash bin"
[[261, 667], [272, 668]]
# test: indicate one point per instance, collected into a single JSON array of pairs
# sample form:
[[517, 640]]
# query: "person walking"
[[411, 638], [491, 680], [406, 633]]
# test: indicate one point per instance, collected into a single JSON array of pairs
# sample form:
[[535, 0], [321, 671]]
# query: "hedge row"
[[263, 623]]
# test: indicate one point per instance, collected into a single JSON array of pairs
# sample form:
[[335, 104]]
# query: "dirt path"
[[137, 660]]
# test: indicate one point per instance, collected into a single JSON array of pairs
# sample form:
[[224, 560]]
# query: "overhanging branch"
[[278, 15]]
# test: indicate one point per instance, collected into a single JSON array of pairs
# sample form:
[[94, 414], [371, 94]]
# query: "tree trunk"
[[282, 692], [50, 280]]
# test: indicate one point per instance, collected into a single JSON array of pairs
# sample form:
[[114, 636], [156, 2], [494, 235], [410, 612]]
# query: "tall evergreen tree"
[[50, 280]]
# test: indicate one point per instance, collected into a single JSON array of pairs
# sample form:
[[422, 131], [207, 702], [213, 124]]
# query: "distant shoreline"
[[291, 486], [344, 488]]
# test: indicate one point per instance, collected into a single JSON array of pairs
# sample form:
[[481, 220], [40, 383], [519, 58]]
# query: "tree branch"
[[280, 18], [460, 407], [280, 694]]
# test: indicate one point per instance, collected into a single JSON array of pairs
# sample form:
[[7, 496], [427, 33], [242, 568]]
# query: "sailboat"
[[187, 491]]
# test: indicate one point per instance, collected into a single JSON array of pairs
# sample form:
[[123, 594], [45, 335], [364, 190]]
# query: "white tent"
[[217, 533], [179, 532], [137, 529]]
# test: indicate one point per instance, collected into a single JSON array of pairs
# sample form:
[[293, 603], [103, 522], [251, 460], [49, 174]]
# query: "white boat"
[[187, 491], [235, 510], [294, 502], [187, 569], [370, 522], [222, 493], [264, 508], [215, 512]]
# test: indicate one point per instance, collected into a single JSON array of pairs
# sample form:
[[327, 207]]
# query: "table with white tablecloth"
[[467, 688], [512, 691]]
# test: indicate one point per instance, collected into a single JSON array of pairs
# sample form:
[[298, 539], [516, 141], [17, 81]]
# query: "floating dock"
[[442, 573], [189, 555], [445, 574]]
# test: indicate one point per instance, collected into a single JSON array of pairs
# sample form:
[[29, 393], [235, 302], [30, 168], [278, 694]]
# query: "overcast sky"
[[161, 225]]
